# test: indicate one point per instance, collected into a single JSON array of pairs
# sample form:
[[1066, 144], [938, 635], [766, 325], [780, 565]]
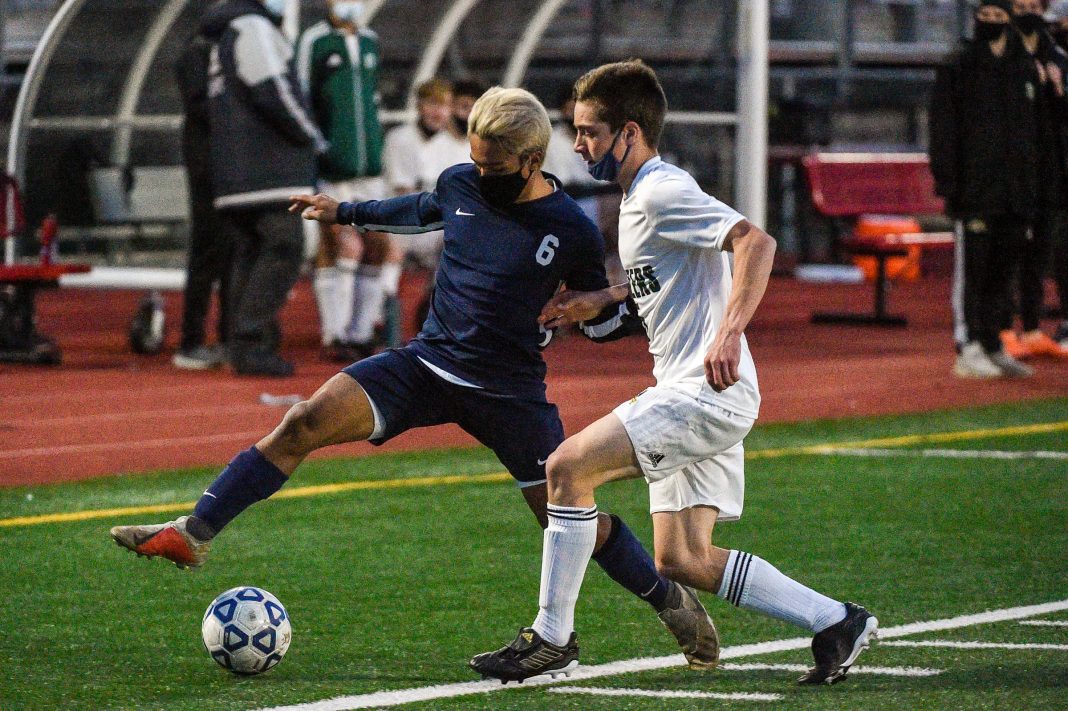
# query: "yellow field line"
[[411, 482], [294, 493]]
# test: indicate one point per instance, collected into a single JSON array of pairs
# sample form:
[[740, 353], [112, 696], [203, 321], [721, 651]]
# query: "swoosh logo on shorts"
[[541, 462], [464, 214]]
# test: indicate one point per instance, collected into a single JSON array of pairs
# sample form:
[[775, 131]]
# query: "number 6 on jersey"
[[547, 250]]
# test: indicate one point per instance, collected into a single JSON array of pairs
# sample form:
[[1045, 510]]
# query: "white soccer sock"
[[755, 584], [566, 550], [391, 276], [367, 298], [324, 283], [346, 277]]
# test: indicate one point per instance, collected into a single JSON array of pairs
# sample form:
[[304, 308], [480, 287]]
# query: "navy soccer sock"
[[629, 564], [248, 478]]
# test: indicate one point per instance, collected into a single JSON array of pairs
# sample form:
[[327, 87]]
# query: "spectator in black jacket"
[[263, 149], [1050, 112], [210, 248], [983, 157], [1057, 16]]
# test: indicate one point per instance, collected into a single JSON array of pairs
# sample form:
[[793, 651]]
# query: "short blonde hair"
[[513, 118]]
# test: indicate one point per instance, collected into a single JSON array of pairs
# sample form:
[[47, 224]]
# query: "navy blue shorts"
[[522, 432]]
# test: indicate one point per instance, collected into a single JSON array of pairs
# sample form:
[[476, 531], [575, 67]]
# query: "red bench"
[[19, 283], [852, 185]]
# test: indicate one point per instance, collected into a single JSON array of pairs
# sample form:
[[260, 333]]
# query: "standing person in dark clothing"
[[1050, 111], [1057, 16], [263, 149], [210, 248], [983, 157]]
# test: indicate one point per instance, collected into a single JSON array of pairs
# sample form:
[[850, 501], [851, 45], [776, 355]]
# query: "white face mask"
[[275, 7], [350, 11]]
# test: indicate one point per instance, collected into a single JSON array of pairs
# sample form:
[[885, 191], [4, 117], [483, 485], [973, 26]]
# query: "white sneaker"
[[973, 362], [1009, 366], [200, 358]]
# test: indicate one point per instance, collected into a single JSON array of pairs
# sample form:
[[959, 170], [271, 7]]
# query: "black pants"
[[1059, 266], [268, 248], [987, 252], [210, 257], [1034, 265]]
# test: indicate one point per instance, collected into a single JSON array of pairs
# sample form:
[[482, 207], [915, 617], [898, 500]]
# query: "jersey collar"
[[647, 167]]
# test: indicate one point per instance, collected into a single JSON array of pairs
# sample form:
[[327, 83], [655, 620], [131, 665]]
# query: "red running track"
[[108, 411]]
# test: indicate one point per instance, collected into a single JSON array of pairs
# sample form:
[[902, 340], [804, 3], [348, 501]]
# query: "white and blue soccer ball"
[[246, 630]]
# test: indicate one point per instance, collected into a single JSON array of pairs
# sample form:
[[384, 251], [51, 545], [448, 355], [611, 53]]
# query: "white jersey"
[[671, 244], [442, 151], [402, 158]]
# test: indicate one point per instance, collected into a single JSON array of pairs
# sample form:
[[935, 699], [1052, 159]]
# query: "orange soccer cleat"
[[168, 540]]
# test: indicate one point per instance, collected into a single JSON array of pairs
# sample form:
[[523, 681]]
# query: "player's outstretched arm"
[[569, 307], [754, 253]]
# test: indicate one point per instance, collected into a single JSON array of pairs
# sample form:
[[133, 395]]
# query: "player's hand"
[[721, 361], [570, 307], [315, 207]]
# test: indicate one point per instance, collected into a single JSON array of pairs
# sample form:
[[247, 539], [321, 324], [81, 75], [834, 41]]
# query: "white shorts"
[[355, 190], [689, 448]]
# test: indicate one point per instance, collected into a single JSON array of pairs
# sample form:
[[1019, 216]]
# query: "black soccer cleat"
[[528, 655], [837, 647]]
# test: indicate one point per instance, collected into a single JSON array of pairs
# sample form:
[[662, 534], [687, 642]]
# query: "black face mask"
[[1030, 23], [989, 31], [501, 191], [460, 124]]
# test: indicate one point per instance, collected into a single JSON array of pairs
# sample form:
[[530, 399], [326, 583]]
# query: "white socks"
[[324, 284], [391, 276], [754, 584], [333, 296], [566, 551], [367, 298]]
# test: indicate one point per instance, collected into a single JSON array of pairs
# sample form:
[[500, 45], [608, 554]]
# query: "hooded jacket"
[[983, 132], [263, 141]]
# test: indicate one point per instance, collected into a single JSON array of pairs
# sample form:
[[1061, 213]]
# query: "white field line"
[[446, 691], [885, 671], [1045, 623], [599, 691], [974, 645], [945, 453]]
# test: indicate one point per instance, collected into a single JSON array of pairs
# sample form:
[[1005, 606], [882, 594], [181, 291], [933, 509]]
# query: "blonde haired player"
[[685, 434], [511, 238]]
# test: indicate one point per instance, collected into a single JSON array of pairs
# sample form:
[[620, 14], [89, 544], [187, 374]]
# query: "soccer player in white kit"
[[684, 435]]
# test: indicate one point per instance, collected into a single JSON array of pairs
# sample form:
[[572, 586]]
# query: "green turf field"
[[394, 587]]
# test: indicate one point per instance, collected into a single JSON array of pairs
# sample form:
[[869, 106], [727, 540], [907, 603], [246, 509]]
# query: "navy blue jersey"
[[498, 268]]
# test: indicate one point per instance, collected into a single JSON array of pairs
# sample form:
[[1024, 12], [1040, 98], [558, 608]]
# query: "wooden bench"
[[20, 341], [847, 186]]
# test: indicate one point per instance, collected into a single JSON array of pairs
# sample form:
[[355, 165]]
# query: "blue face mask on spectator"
[[348, 11], [275, 7], [607, 168]]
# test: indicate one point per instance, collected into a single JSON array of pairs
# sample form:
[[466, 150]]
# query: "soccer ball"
[[246, 630]]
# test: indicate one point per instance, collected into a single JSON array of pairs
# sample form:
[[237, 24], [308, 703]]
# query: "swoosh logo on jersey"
[[541, 462], [464, 214]]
